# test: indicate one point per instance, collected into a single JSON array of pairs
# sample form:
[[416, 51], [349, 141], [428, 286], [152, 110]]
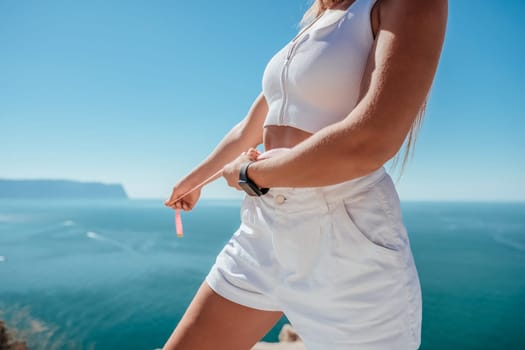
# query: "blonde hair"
[[315, 10], [409, 144]]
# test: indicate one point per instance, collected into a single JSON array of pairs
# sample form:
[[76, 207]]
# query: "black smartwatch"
[[247, 184]]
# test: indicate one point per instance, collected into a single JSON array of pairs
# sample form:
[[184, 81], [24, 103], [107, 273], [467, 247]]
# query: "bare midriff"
[[281, 136]]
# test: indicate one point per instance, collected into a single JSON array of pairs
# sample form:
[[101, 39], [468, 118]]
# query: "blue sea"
[[111, 274]]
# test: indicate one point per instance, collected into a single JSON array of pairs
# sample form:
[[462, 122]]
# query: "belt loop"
[[323, 199]]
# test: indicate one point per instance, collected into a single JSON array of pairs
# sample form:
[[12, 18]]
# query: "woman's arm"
[[400, 71], [246, 134]]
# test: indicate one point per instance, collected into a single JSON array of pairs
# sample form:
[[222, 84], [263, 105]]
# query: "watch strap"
[[244, 179]]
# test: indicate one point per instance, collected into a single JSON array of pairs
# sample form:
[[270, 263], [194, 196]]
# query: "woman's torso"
[[315, 80]]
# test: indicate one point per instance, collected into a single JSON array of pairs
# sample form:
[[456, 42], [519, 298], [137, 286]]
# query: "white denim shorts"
[[335, 259]]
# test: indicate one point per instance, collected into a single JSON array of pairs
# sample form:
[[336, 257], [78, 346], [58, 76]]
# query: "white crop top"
[[315, 80]]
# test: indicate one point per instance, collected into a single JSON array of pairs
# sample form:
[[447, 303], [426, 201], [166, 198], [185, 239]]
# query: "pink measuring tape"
[[178, 218]]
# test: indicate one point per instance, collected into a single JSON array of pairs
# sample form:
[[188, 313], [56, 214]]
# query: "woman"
[[325, 245]]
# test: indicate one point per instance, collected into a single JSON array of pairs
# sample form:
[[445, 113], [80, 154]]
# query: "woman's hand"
[[231, 170], [185, 203]]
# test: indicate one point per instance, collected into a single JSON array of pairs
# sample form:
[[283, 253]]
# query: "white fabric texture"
[[315, 80], [335, 259]]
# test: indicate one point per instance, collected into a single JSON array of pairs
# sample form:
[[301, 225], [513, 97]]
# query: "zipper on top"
[[284, 71]]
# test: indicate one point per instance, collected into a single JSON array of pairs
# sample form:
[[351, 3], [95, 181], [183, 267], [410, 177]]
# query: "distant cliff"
[[59, 189]]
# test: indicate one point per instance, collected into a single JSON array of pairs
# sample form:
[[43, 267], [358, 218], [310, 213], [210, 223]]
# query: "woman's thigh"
[[213, 322]]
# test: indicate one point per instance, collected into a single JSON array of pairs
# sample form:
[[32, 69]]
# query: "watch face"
[[248, 189]]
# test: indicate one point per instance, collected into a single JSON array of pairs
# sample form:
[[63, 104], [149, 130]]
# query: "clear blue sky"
[[138, 92]]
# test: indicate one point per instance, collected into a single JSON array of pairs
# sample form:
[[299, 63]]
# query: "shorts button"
[[279, 199]]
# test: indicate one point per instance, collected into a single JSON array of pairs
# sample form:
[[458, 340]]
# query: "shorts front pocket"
[[371, 216], [370, 236]]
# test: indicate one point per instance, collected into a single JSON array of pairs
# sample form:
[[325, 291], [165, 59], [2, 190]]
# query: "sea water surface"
[[111, 274]]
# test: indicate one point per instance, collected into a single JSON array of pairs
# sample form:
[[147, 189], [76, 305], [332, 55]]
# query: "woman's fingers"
[[172, 201], [231, 170], [174, 194], [175, 201], [251, 154], [179, 205], [185, 203]]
